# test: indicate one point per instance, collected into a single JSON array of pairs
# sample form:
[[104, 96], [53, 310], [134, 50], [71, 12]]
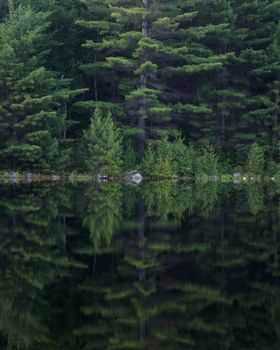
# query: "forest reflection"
[[159, 266]]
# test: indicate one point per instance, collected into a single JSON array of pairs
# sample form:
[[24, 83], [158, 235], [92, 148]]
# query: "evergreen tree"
[[33, 99], [103, 145], [251, 75], [271, 74], [149, 47], [169, 157], [210, 69], [255, 162]]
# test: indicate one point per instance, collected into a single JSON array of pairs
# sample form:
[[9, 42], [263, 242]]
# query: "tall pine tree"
[[155, 53], [33, 99]]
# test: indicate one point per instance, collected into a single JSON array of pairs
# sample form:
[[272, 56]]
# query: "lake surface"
[[158, 266]]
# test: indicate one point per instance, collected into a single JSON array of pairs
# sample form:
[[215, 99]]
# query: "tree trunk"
[[143, 85], [3, 11], [223, 84], [95, 75]]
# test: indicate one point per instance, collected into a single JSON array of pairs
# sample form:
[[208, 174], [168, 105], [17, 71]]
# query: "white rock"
[[136, 178], [236, 178]]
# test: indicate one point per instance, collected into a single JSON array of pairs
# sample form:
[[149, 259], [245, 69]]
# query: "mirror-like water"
[[160, 266]]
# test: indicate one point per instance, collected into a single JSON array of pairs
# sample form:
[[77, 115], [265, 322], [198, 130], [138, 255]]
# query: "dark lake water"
[[159, 266]]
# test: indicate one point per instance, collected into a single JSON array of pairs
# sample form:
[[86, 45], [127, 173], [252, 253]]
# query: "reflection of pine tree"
[[206, 285], [127, 299], [31, 259], [245, 258], [255, 198], [202, 275], [101, 212], [167, 199]]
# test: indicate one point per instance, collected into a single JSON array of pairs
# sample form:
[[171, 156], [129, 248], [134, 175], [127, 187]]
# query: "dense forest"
[[166, 87]]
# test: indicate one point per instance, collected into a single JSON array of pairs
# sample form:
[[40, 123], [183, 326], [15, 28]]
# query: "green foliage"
[[163, 168], [149, 161], [102, 213], [130, 158], [33, 99], [78, 268], [206, 162], [255, 198], [170, 157], [208, 69], [183, 157], [166, 159], [255, 161], [151, 67], [103, 145]]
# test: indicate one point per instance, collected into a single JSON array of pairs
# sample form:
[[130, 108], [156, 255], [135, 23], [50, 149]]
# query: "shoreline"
[[73, 177]]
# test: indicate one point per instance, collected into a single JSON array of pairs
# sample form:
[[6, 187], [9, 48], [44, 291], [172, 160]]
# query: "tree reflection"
[[32, 258], [161, 266], [101, 211]]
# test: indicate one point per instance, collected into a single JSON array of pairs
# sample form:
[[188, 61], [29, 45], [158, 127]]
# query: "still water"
[[159, 266]]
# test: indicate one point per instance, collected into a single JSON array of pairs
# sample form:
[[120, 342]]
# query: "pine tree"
[[252, 73], [33, 99], [206, 162], [169, 157], [274, 91], [103, 144], [155, 52], [98, 26], [64, 37], [255, 162]]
